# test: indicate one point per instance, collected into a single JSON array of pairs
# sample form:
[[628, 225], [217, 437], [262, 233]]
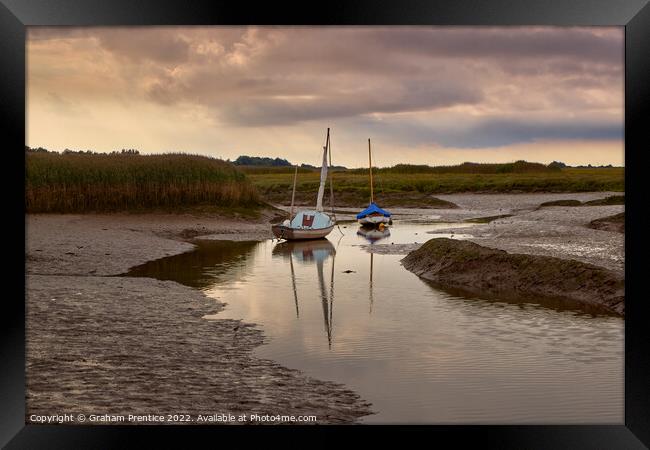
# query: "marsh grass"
[[354, 184], [75, 182], [465, 168], [96, 182]]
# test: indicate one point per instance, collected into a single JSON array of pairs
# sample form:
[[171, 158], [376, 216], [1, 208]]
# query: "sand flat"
[[142, 344], [100, 344]]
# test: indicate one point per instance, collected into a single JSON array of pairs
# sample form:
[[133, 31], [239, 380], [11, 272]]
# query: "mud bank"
[[109, 244], [486, 271], [561, 232], [515, 223], [101, 344], [612, 223], [611, 200], [357, 200]]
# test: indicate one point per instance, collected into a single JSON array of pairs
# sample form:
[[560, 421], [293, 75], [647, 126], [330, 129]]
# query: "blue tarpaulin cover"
[[373, 208]]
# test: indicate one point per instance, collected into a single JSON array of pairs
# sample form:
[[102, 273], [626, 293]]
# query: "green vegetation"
[[260, 161], [303, 168], [273, 170], [351, 187], [466, 167], [84, 182]]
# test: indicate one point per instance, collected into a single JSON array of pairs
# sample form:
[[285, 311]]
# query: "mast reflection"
[[310, 252], [373, 235]]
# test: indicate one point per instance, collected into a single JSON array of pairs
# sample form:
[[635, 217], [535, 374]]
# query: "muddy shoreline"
[[611, 223], [558, 231], [480, 270], [125, 341], [120, 345]]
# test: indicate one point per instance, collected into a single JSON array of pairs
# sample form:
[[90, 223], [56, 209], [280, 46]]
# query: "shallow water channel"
[[420, 355]]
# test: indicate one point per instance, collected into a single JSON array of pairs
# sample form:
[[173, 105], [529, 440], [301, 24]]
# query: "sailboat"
[[373, 214], [309, 224]]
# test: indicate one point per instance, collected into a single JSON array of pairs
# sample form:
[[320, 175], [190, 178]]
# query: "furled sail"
[[323, 179]]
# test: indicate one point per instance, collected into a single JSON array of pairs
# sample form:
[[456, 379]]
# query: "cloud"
[[490, 132], [153, 45], [407, 97], [512, 43], [471, 87]]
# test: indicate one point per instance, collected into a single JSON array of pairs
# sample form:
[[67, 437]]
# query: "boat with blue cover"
[[373, 214]]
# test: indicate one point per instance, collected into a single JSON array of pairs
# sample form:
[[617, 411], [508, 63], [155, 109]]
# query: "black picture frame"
[[634, 15]]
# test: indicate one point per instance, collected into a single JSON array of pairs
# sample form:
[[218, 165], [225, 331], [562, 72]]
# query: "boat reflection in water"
[[312, 252], [373, 235]]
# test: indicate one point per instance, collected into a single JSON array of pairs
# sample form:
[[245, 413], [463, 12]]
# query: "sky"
[[423, 95]]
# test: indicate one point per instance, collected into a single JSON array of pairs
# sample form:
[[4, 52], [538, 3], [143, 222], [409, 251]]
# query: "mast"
[[323, 176], [293, 194], [370, 161], [329, 143]]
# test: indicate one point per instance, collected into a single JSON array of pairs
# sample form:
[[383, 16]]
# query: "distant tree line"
[[467, 167], [36, 150], [589, 166], [561, 165], [556, 165], [310, 167], [67, 151], [260, 161]]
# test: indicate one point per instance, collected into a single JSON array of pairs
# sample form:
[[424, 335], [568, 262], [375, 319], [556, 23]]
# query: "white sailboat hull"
[[284, 232]]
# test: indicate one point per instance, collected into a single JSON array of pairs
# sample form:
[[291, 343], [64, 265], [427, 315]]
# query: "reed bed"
[[465, 168], [274, 186], [74, 182]]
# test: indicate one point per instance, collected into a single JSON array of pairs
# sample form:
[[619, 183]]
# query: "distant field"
[[87, 182], [102, 182], [351, 188]]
